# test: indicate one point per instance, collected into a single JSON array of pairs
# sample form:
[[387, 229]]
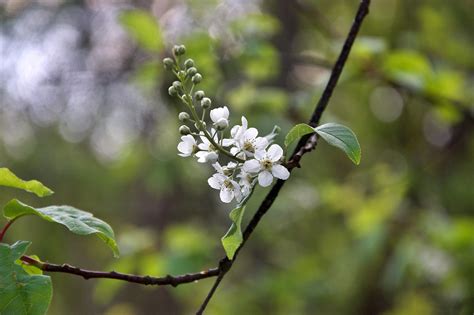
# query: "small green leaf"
[[233, 238], [144, 29], [297, 132], [77, 221], [7, 178], [20, 292], [342, 137], [31, 270]]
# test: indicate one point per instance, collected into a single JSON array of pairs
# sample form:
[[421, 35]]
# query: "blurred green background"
[[84, 109]]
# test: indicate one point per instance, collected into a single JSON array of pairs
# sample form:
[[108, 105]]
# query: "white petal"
[[214, 183], [252, 166], [234, 131], [225, 112], [260, 143], [250, 134], [204, 146], [188, 139], [275, 152], [217, 167], [227, 142], [279, 171], [201, 155], [226, 195], [222, 123], [234, 150], [212, 157], [245, 123], [260, 154], [237, 192], [214, 114], [185, 148], [265, 178]]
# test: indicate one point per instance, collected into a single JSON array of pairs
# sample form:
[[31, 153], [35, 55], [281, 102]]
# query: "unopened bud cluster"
[[249, 158]]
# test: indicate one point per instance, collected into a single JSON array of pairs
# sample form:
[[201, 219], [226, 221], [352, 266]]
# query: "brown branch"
[[145, 280], [305, 145]]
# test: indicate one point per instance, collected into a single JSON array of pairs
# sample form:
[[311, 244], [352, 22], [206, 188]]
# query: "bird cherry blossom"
[[246, 140], [246, 181], [220, 117], [207, 151], [249, 158], [267, 165], [187, 146], [229, 189]]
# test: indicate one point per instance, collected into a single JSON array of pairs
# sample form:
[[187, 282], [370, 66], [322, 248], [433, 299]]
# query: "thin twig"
[[5, 228], [305, 145], [145, 280]]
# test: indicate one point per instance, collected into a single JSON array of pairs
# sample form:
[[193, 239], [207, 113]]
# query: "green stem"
[[206, 133], [189, 103]]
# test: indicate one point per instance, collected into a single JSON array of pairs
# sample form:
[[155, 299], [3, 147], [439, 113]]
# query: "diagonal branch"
[[305, 145], [145, 280]]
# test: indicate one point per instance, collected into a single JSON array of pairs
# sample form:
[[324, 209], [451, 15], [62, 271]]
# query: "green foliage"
[[77, 221], [7, 178], [341, 137], [297, 132], [144, 29], [31, 270], [233, 238], [21, 293]]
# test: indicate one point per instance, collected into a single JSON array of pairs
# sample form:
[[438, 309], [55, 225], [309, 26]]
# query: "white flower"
[[246, 140], [267, 165], [227, 170], [229, 189], [220, 117], [245, 182], [208, 153], [187, 146]]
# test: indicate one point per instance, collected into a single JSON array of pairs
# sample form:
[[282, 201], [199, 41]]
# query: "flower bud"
[[172, 91], [197, 78], [212, 157], [206, 102], [179, 50], [177, 85], [199, 95], [222, 124], [183, 116], [191, 71], [168, 63], [184, 130], [189, 63]]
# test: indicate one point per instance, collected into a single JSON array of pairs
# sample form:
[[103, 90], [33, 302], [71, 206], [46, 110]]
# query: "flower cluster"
[[248, 158]]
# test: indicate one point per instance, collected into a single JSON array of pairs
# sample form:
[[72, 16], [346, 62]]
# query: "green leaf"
[[233, 238], [20, 292], [77, 221], [297, 132], [7, 178], [342, 137], [31, 270], [144, 29]]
